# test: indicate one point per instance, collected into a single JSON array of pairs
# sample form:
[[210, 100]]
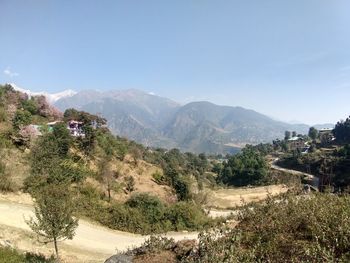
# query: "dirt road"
[[311, 177], [99, 241]]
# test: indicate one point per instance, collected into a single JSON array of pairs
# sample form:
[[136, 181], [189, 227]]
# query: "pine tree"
[[53, 215]]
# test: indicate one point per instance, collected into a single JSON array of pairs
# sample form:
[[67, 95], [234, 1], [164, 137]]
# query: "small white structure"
[[76, 128]]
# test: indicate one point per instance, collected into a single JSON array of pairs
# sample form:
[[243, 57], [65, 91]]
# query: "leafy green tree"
[[88, 142], [286, 135], [313, 133], [148, 205], [178, 182], [342, 131], [246, 168], [62, 138], [54, 215], [49, 159], [30, 105], [182, 188], [22, 118]]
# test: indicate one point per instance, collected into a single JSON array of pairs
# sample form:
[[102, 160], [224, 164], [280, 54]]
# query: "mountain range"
[[160, 122], [50, 97]]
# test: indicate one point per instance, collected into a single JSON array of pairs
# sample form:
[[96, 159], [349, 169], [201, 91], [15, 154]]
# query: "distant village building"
[[326, 135], [76, 128], [296, 143], [325, 130]]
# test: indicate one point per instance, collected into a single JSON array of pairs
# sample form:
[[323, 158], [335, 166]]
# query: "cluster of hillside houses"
[[75, 128], [299, 143]]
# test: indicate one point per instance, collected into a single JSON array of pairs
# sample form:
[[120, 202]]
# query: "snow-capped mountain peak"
[[51, 97]]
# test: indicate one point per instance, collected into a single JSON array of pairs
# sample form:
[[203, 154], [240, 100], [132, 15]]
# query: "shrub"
[[124, 218], [9, 255], [247, 168], [290, 229], [159, 178], [130, 183], [142, 213], [186, 216], [30, 106], [22, 118], [150, 206]]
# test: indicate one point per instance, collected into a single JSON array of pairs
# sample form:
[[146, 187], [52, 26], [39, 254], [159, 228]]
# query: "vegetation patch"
[[282, 229], [10, 255], [142, 213]]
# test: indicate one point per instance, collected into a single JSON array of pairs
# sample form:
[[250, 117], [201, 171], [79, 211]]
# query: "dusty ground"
[[232, 197], [18, 197], [27, 241], [92, 243], [144, 182]]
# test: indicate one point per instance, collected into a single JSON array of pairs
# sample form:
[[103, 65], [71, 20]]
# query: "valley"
[[195, 127], [118, 198]]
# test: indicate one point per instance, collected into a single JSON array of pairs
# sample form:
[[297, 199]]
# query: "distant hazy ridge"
[[161, 122]]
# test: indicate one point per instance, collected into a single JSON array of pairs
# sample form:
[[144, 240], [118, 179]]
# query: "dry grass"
[[144, 182], [17, 165], [232, 197]]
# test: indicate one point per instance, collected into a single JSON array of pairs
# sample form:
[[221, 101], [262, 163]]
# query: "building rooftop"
[[296, 138]]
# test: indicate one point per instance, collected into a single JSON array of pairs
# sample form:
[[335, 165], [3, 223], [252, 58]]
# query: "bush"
[[186, 216], [22, 118], [9, 255], [246, 168], [159, 178], [130, 183], [150, 206], [292, 229], [142, 213], [30, 106], [124, 218]]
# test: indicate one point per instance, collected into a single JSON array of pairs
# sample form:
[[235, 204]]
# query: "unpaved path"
[[314, 179], [89, 237]]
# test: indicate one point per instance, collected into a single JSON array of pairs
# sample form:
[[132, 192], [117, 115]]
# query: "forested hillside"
[[195, 127], [116, 182]]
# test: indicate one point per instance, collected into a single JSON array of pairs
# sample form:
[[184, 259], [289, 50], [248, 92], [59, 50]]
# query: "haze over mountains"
[[160, 122]]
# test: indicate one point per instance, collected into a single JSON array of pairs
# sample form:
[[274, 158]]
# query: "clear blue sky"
[[289, 59]]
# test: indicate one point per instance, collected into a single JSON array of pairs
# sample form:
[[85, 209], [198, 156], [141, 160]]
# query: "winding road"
[[314, 179], [89, 237], [93, 241]]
